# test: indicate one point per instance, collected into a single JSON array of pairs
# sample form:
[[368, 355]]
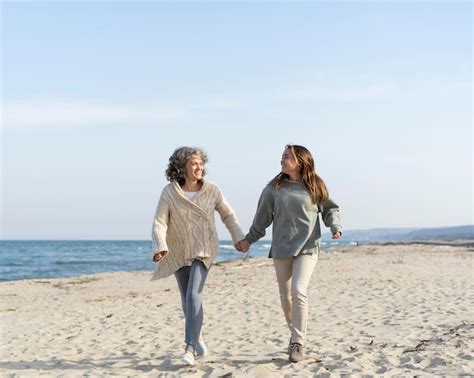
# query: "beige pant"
[[293, 275]]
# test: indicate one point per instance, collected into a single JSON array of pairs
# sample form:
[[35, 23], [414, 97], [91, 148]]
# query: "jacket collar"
[[177, 189]]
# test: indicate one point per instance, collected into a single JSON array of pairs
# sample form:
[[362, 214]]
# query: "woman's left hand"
[[337, 235]]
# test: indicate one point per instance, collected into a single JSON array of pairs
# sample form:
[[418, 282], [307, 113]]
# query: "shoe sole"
[[296, 360]]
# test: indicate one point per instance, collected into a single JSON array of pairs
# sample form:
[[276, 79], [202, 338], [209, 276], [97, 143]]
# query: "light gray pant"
[[191, 281], [293, 276]]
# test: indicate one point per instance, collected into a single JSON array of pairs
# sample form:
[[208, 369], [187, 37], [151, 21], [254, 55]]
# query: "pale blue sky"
[[97, 95]]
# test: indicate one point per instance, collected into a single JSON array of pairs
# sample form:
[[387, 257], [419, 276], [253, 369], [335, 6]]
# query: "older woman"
[[184, 235]]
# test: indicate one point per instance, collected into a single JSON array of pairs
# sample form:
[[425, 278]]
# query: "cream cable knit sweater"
[[186, 229]]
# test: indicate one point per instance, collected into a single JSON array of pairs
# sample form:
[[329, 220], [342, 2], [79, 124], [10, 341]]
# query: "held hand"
[[337, 235], [158, 256], [237, 246], [244, 245], [240, 247]]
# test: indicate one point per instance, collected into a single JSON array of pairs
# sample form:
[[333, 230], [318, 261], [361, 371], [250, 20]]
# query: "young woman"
[[184, 236], [292, 201]]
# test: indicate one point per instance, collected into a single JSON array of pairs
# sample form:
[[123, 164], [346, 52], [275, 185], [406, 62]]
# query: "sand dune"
[[393, 310]]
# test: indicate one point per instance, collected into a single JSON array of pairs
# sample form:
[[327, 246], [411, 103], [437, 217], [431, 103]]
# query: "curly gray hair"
[[177, 162]]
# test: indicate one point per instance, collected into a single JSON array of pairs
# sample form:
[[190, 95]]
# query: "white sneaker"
[[188, 358], [201, 349]]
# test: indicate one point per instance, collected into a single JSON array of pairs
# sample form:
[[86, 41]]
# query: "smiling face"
[[194, 168], [289, 164]]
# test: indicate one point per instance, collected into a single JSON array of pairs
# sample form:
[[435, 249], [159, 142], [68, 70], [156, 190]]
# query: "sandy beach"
[[386, 310]]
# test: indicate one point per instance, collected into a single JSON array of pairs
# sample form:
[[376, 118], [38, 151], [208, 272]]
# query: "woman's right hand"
[[242, 246], [158, 256]]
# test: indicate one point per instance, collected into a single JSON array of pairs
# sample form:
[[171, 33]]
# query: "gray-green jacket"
[[295, 218]]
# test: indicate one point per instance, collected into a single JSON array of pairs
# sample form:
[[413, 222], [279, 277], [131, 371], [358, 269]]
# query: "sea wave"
[[60, 258]]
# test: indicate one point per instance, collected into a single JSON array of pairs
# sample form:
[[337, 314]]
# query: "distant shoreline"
[[450, 243]]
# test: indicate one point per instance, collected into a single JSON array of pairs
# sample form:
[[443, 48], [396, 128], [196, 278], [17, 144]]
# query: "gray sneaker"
[[296, 352]]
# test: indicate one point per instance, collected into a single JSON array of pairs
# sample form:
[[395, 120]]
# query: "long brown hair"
[[311, 181]]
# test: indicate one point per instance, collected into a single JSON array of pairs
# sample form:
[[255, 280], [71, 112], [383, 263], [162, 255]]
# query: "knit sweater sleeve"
[[263, 216], [160, 225], [330, 215], [229, 218]]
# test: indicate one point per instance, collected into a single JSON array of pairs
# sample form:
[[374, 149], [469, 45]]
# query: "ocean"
[[34, 259]]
